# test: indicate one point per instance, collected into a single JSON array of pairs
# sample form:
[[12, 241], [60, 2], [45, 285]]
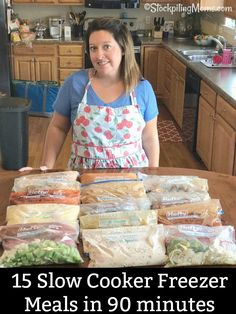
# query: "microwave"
[[112, 4]]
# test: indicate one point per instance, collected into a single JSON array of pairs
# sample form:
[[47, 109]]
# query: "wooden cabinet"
[[161, 1], [34, 64], [216, 135], [232, 4], [65, 2], [152, 67], [223, 148], [167, 78], [189, 2], [176, 104], [205, 131], [204, 3], [48, 62], [70, 60]]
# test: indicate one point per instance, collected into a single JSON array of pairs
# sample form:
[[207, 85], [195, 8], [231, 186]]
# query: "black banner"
[[136, 290]]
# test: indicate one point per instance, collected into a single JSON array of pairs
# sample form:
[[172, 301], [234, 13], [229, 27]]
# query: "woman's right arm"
[[55, 137]]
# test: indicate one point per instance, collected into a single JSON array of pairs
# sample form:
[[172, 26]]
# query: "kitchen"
[[156, 53], [177, 82]]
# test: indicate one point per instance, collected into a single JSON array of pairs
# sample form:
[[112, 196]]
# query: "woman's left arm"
[[150, 142]]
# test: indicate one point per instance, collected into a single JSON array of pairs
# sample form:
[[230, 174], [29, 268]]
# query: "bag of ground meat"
[[46, 196], [189, 245], [91, 177], [206, 213], [109, 191], [126, 204], [125, 246], [12, 235], [119, 219], [42, 213], [53, 180]]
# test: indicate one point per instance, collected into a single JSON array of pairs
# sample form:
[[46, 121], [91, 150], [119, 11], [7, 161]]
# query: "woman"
[[111, 108]]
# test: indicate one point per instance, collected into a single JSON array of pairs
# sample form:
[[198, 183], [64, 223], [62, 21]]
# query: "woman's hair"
[[129, 68]]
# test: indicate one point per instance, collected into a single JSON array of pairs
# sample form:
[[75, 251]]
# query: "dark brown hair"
[[129, 68]]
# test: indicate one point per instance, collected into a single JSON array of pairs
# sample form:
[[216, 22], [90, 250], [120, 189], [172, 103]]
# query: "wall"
[[213, 24]]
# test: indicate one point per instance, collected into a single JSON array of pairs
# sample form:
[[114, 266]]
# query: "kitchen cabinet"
[[49, 62], [162, 1], [232, 4], [75, 2], [204, 3], [167, 78], [152, 67], [176, 104], [224, 137], [205, 129], [216, 134], [70, 60], [34, 64]]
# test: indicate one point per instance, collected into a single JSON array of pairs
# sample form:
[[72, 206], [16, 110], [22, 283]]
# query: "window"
[[230, 23]]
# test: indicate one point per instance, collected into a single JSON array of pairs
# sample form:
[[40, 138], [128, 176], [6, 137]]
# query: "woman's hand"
[[42, 168]]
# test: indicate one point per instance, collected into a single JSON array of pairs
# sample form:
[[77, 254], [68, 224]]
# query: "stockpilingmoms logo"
[[180, 8]]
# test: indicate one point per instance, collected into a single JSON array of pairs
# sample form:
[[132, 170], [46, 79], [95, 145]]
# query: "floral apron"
[[105, 137]]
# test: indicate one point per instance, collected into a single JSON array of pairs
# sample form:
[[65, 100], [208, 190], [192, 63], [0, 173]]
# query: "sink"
[[212, 65], [197, 55], [198, 58], [203, 52]]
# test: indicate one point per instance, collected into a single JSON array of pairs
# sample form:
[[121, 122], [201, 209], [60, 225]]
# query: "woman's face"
[[105, 53]]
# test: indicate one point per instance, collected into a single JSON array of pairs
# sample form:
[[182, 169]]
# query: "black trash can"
[[14, 132]]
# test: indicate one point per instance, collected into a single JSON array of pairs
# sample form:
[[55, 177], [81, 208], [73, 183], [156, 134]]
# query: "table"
[[221, 186]]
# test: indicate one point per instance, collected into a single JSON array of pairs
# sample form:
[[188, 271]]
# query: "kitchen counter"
[[223, 80], [77, 40]]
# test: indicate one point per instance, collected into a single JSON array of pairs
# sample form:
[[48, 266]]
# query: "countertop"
[[223, 80]]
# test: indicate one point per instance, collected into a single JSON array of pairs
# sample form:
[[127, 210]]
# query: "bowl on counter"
[[202, 40]]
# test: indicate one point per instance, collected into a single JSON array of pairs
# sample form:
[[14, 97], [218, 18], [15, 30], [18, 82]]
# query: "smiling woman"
[[112, 110]]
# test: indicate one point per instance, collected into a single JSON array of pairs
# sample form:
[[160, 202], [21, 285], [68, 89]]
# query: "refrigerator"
[[5, 73]]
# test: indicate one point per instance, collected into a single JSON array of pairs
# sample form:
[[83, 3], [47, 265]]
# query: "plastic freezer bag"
[[125, 246], [189, 245]]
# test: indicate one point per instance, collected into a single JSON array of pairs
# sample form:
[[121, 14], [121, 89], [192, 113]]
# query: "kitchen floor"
[[172, 154]]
